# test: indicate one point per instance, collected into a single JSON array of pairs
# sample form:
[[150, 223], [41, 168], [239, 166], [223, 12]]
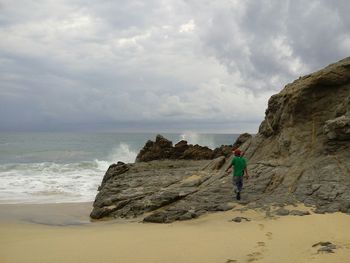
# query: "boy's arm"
[[230, 166], [246, 172]]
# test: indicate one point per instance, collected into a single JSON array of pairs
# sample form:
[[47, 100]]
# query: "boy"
[[239, 165]]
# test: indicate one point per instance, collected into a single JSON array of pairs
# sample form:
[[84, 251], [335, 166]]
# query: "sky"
[[158, 65]]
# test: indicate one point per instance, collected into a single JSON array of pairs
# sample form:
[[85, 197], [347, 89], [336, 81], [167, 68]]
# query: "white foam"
[[50, 182], [196, 138], [122, 153]]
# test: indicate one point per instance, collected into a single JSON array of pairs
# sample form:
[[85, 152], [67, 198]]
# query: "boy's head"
[[237, 152]]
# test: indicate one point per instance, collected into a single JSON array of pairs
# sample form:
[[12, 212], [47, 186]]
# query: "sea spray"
[[122, 153], [195, 138]]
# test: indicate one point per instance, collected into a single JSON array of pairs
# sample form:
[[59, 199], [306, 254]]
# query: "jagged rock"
[[162, 149], [158, 150], [197, 152], [179, 149]]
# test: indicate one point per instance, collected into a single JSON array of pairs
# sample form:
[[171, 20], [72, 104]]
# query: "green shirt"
[[239, 164]]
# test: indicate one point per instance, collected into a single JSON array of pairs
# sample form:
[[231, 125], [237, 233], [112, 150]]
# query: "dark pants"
[[238, 183]]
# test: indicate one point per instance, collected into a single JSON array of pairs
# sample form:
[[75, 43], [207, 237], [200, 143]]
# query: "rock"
[[215, 164], [223, 150], [197, 152], [114, 170], [299, 213], [225, 207], [187, 216], [170, 216], [322, 243], [241, 139], [167, 190], [345, 206], [325, 247], [338, 128], [282, 212], [179, 149], [301, 151], [162, 149], [158, 150], [239, 219], [156, 218]]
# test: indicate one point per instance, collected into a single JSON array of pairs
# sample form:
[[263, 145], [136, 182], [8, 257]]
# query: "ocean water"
[[68, 167]]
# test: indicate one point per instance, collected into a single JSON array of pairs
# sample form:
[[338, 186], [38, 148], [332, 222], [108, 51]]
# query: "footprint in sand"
[[231, 261], [261, 244], [261, 226], [257, 255], [269, 235], [347, 246], [254, 256]]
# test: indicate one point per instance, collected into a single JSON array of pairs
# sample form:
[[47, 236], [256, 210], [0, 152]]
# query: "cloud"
[[158, 64], [271, 42]]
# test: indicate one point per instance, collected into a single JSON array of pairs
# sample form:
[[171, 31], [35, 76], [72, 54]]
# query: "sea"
[[38, 167]]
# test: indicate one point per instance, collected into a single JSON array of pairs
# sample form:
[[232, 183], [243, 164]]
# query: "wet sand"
[[47, 214], [63, 235]]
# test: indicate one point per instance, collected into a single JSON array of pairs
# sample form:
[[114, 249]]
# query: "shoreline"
[[213, 237], [59, 214]]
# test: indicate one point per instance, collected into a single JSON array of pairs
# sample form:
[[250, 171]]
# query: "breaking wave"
[[51, 182]]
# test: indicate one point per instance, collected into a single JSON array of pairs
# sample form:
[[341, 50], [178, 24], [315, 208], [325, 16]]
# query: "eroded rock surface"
[[164, 191]]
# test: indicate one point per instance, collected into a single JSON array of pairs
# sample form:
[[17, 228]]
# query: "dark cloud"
[[201, 65], [271, 42]]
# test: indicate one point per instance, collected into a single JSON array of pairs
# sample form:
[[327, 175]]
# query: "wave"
[[50, 182], [122, 153]]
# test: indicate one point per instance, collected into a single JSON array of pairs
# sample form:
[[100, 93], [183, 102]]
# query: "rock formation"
[[302, 149], [300, 154], [162, 149], [169, 189]]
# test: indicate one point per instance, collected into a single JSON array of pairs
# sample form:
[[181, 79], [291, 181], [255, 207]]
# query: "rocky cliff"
[[300, 154], [302, 149]]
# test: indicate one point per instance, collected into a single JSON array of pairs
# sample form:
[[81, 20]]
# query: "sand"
[[211, 238]]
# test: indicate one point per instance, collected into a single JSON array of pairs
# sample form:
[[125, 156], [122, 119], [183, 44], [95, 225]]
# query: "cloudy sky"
[[158, 65]]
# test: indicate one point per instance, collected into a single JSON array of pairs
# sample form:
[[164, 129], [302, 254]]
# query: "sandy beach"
[[62, 233]]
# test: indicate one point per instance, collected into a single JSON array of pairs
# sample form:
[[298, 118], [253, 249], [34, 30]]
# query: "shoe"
[[238, 196]]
